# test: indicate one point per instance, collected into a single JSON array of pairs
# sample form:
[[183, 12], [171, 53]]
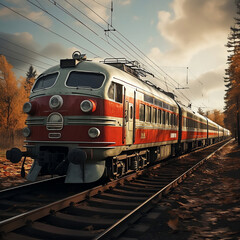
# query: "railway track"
[[17, 200], [104, 212]]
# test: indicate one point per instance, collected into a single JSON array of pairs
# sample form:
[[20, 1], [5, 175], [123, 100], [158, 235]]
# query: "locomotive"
[[87, 120]]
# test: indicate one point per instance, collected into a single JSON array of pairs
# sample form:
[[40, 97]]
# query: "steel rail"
[[28, 217], [24, 187], [123, 224], [23, 219]]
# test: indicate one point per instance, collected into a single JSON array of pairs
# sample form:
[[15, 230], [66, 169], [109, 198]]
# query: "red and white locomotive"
[[87, 120]]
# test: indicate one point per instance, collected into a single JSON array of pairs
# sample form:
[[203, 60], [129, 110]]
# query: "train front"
[[65, 124]]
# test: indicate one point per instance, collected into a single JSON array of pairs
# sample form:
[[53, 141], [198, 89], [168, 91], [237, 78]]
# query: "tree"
[[217, 116], [200, 111], [12, 97], [232, 79], [30, 79]]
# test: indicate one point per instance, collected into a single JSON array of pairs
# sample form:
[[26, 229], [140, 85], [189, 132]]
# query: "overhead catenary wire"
[[8, 49], [94, 53], [101, 28], [77, 19], [20, 46], [47, 29], [164, 73], [20, 60], [71, 27], [70, 14]]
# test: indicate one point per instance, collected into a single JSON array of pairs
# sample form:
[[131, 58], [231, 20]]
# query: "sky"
[[182, 42]]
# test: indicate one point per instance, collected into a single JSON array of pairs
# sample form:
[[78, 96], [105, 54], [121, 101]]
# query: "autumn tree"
[[200, 111], [217, 116], [232, 78], [30, 79], [12, 97]]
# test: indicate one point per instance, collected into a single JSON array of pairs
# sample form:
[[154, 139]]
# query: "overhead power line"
[[77, 19], [20, 60], [18, 53], [146, 57], [28, 50], [66, 25], [49, 30]]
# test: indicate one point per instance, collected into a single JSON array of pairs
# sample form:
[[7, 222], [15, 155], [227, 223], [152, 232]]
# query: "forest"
[[232, 79]]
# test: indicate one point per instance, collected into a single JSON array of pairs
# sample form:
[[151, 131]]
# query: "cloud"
[[14, 46], [58, 51], [21, 51], [25, 10], [196, 25], [96, 9], [124, 2]]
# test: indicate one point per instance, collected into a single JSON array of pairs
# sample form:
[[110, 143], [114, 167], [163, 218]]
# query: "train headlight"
[[88, 106], [93, 132], [27, 107], [26, 132], [54, 121], [55, 102]]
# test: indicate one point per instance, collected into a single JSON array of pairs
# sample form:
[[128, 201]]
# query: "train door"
[[129, 113]]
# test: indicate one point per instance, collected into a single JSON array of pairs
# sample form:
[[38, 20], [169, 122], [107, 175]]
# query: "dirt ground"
[[206, 205], [10, 174]]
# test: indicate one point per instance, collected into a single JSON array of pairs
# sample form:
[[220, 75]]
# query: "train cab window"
[[142, 112], [115, 92], [46, 81], [148, 113], [85, 80]]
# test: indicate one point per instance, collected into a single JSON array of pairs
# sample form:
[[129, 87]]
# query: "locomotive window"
[[142, 112], [85, 80], [46, 81], [115, 92], [111, 91]]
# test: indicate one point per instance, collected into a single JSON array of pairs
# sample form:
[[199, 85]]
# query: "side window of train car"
[[159, 120], [154, 115], [142, 112], [164, 117], [131, 112], [148, 113], [115, 92]]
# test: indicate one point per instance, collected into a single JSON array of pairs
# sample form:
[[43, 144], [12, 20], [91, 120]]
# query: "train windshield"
[[46, 81], [85, 80]]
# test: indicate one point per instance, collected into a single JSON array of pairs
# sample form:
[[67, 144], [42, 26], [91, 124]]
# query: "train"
[[89, 120]]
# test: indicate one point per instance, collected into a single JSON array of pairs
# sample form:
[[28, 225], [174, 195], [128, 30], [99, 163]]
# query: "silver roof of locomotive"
[[111, 74]]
